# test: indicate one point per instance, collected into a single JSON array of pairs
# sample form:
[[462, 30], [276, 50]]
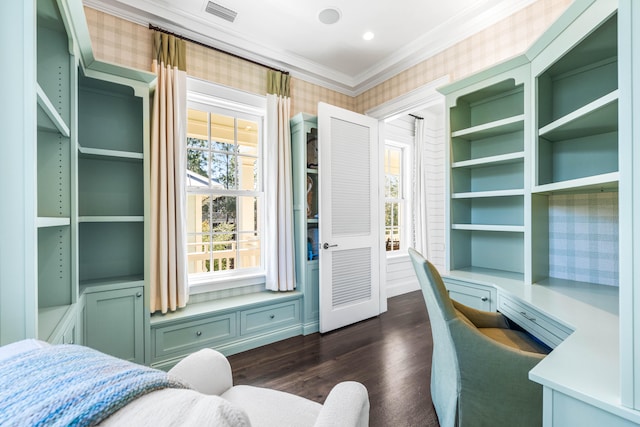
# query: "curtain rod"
[[416, 117], [162, 30]]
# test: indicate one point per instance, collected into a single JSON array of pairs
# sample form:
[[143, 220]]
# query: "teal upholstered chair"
[[479, 372]]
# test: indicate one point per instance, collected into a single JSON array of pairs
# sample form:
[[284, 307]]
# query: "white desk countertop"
[[585, 366]]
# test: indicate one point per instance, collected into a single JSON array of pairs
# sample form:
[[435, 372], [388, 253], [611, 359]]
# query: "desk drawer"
[[474, 295], [185, 337], [535, 322], [270, 317]]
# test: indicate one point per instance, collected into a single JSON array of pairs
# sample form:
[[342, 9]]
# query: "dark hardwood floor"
[[389, 354]]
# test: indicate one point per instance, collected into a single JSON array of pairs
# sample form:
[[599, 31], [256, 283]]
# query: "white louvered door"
[[349, 217]]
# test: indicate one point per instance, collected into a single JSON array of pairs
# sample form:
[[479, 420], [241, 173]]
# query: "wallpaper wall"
[[583, 237], [126, 43]]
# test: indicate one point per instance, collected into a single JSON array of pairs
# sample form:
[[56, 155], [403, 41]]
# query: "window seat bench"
[[229, 325]]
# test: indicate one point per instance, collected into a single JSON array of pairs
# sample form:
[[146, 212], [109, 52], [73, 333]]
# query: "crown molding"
[[450, 32], [460, 27]]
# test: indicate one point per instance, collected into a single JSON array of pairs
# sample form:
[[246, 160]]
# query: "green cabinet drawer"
[[185, 337], [535, 322], [269, 317], [474, 295]]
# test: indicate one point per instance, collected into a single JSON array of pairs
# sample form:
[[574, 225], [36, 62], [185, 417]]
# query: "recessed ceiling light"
[[368, 35], [329, 16]]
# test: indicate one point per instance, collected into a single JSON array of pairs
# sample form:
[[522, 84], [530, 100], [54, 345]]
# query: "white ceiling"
[[287, 34]]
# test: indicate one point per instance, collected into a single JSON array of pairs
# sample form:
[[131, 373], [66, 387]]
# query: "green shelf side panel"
[[109, 187], [111, 250], [54, 68], [54, 175], [54, 266], [586, 73], [109, 116], [489, 104], [489, 211], [577, 158], [500, 250], [508, 176], [465, 149]]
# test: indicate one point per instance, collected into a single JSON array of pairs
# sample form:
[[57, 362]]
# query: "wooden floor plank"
[[389, 354]]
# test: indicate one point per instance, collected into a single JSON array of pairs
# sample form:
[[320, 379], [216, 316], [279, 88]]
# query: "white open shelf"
[[107, 154], [46, 221], [491, 160], [599, 116], [496, 193], [606, 181], [489, 227], [486, 130], [119, 218], [49, 118]]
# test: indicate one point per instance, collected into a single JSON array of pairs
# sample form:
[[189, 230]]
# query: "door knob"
[[327, 246]]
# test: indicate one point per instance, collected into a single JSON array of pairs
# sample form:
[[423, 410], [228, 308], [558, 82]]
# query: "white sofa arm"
[[347, 405], [207, 371]]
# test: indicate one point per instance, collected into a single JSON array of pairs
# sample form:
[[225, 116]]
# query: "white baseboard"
[[395, 289]]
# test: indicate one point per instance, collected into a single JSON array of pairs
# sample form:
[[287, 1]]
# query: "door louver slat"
[[351, 276]]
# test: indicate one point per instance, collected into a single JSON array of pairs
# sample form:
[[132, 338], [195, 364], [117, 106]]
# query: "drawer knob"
[[484, 299], [272, 316], [198, 333], [139, 294]]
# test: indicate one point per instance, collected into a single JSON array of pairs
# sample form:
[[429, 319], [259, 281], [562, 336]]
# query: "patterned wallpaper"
[[126, 43], [507, 38], [583, 237]]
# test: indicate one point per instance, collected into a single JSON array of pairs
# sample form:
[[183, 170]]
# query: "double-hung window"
[[225, 194], [395, 200]]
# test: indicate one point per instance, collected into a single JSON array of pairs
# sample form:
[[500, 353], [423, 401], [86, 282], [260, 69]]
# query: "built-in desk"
[[581, 376]]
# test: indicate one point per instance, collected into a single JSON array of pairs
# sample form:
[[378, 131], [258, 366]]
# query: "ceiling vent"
[[221, 11]]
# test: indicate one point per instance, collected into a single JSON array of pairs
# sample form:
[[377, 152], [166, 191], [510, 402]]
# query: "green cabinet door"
[[115, 323]]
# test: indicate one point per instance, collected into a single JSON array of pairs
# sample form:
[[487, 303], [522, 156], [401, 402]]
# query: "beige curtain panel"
[[168, 259], [281, 267]]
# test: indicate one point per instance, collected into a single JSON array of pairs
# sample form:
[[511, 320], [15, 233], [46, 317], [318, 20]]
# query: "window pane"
[[197, 168], [223, 214], [392, 226], [394, 159], [197, 127], [198, 210], [248, 214], [198, 253], [392, 186], [248, 173], [224, 250], [247, 137], [249, 250], [223, 133], [223, 171]]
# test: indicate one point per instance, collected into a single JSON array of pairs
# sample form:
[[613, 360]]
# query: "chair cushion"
[[174, 407], [267, 407], [514, 339]]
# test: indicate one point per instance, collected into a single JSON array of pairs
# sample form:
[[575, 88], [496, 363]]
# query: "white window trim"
[[206, 95], [406, 231]]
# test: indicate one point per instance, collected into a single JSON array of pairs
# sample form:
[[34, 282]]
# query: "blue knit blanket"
[[70, 385]]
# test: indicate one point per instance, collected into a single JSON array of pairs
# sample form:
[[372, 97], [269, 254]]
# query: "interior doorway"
[[405, 225]]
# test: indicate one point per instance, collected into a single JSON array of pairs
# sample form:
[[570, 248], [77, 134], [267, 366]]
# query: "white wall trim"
[[423, 97]]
